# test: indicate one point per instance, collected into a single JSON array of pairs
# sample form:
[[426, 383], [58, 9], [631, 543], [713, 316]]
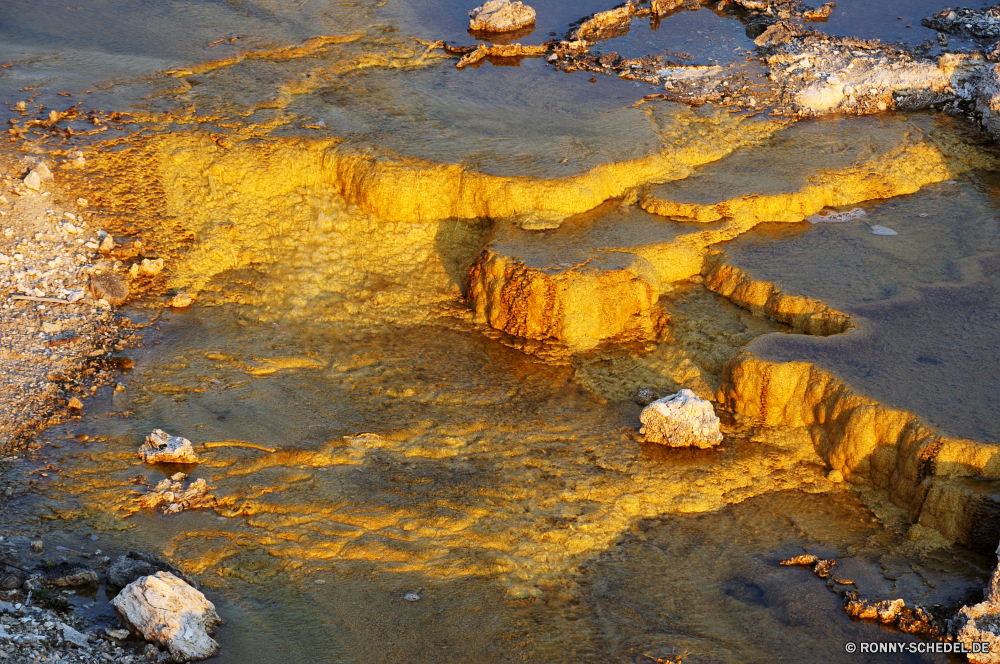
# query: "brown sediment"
[[211, 445], [897, 613]]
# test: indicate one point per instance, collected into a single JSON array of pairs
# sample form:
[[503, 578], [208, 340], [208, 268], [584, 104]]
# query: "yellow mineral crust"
[[580, 307], [902, 171], [804, 314], [869, 443], [533, 303]]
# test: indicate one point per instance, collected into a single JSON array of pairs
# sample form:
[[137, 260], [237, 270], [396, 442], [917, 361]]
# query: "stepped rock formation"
[[874, 445]]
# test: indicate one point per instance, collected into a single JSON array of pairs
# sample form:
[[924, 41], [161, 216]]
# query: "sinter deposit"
[[501, 16], [161, 447], [681, 420], [169, 612]]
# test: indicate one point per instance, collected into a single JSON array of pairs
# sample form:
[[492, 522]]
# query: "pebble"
[[411, 597]]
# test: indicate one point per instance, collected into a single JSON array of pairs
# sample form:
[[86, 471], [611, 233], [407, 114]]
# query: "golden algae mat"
[[426, 297]]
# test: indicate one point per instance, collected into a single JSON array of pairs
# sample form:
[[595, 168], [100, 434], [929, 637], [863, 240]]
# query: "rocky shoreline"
[[60, 334]]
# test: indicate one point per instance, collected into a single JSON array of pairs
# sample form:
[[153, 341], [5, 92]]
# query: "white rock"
[[43, 171], [833, 217], [170, 613], [681, 420], [161, 447], [501, 16], [150, 268], [33, 181], [981, 623]]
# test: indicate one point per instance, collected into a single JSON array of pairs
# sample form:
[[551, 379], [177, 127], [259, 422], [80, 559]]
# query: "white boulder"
[[501, 16], [171, 614], [161, 447], [681, 420]]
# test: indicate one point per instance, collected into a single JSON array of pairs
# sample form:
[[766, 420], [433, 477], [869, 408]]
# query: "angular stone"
[[161, 447], [150, 268], [681, 420], [501, 16], [32, 181], [170, 613], [661, 7]]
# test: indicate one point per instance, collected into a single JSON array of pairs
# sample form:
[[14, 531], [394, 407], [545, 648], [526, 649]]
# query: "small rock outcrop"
[[980, 623], [501, 16], [681, 420], [170, 613], [161, 447]]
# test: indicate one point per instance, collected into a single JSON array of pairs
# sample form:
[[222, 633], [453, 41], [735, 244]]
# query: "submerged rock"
[[161, 447], [170, 613], [681, 420], [501, 16], [645, 396]]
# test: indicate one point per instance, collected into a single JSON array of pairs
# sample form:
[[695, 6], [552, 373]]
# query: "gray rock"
[[134, 565], [73, 636], [70, 575], [645, 396], [12, 580]]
